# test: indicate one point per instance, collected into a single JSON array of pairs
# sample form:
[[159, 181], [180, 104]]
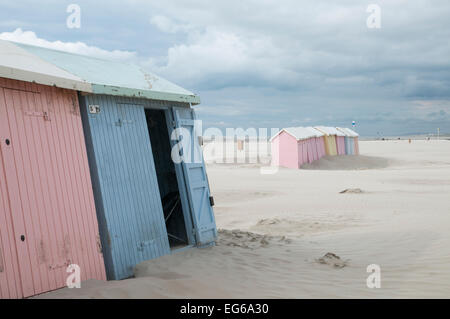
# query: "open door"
[[196, 179], [171, 200]]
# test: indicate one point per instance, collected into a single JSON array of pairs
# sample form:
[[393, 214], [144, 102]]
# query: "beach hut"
[[350, 142], [356, 140], [148, 205], [294, 146], [319, 141], [47, 212], [334, 140], [340, 145]]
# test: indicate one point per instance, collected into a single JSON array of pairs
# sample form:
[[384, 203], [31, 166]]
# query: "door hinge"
[[211, 201]]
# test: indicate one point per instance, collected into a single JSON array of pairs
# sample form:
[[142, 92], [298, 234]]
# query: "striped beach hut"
[[351, 140], [48, 220], [150, 185], [294, 146]]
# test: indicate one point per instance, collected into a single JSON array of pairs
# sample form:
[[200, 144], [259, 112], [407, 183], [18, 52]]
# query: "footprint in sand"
[[249, 240]]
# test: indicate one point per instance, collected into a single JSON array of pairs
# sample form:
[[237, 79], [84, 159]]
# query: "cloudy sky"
[[259, 63]]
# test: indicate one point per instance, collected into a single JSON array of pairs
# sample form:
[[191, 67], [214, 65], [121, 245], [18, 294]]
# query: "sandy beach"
[[274, 229]]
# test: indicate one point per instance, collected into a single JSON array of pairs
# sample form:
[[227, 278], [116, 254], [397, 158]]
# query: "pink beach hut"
[[294, 146], [340, 143], [47, 210]]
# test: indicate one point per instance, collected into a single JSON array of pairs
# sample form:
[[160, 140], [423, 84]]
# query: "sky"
[[273, 64]]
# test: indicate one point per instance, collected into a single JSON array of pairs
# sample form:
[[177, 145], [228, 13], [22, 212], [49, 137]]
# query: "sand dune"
[[293, 234], [350, 162]]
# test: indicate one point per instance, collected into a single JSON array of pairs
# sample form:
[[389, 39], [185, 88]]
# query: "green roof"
[[113, 78]]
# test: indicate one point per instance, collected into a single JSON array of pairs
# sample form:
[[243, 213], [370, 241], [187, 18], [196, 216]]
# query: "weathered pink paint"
[[47, 212], [320, 144], [311, 150], [307, 151], [302, 147], [340, 144], [318, 147]]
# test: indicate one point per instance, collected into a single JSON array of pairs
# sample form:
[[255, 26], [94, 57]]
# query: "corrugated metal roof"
[[327, 130], [348, 132], [97, 75]]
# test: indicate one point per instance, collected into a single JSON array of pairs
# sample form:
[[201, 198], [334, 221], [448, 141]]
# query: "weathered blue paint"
[[349, 145], [128, 200], [196, 178], [127, 194]]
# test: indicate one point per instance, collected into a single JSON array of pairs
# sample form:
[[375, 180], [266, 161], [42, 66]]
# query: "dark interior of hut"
[[167, 178]]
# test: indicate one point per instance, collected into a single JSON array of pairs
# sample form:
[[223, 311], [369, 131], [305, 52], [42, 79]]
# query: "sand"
[[295, 235]]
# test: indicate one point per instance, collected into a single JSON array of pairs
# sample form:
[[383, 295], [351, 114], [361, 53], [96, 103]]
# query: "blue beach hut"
[[350, 136]]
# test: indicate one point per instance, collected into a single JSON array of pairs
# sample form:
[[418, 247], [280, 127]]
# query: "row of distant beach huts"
[[86, 175], [294, 146]]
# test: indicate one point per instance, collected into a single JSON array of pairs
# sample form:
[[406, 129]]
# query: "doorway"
[[167, 178]]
